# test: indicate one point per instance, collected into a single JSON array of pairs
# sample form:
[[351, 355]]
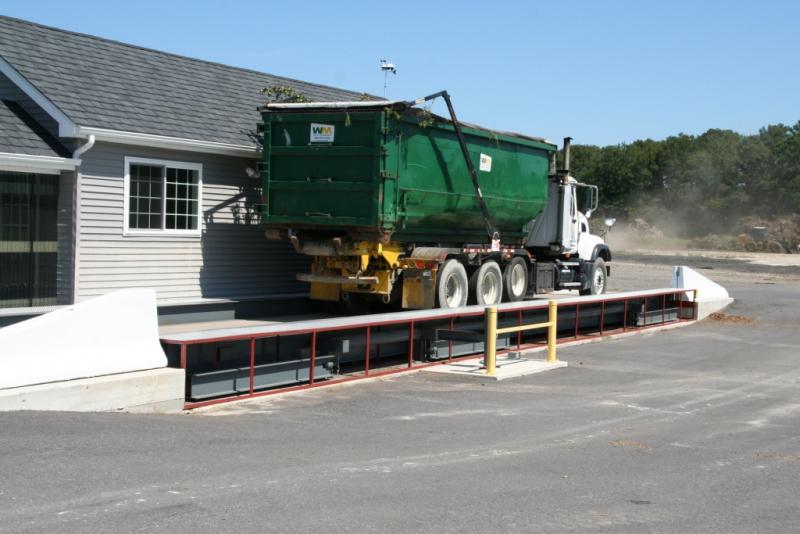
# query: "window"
[[28, 239], [162, 196]]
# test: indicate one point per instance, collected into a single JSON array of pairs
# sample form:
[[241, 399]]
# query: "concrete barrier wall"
[[114, 333]]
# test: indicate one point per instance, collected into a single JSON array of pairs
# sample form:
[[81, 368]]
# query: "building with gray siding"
[[124, 167]]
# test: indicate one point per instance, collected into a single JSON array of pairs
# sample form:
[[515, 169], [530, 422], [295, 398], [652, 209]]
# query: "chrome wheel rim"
[[517, 279], [452, 292], [490, 289], [599, 281]]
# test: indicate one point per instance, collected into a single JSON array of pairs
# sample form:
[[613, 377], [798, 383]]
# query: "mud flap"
[[419, 289], [321, 291]]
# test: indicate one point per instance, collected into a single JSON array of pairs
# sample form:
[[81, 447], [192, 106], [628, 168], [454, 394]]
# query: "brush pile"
[[779, 236]]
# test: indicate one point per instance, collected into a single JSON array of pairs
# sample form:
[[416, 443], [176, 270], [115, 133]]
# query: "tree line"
[[701, 184]]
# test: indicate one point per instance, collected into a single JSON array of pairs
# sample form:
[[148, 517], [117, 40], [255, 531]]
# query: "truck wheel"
[[452, 287], [486, 284], [597, 285], [515, 280]]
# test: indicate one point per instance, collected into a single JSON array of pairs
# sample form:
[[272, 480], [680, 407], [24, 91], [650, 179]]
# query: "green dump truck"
[[393, 203]]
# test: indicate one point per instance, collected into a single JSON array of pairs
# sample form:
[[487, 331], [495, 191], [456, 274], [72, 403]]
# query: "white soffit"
[[36, 164]]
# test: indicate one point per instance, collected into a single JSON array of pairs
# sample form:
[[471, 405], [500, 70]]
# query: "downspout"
[[76, 207], [80, 151]]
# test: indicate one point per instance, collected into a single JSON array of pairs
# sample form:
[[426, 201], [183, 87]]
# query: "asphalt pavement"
[[695, 429]]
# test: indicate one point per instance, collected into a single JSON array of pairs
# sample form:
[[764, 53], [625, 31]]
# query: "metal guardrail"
[[490, 345], [389, 343]]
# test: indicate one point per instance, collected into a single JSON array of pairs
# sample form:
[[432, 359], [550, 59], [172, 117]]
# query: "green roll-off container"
[[389, 172]]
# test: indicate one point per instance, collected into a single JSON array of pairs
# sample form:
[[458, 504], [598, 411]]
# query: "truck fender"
[[587, 269], [439, 254], [601, 251]]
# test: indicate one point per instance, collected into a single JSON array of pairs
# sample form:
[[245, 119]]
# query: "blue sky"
[[601, 72]]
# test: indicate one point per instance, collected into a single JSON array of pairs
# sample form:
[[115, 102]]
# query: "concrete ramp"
[[106, 340], [114, 333], [710, 297]]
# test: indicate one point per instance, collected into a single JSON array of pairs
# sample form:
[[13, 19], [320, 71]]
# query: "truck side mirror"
[[591, 192]]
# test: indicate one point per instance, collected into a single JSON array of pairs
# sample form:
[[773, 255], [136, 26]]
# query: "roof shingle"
[[101, 83]]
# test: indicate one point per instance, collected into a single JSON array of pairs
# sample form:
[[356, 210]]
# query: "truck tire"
[[597, 279], [515, 280], [486, 284], [452, 288]]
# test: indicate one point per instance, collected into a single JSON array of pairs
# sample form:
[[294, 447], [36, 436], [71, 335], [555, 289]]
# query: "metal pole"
[[366, 353], [313, 357], [490, 343], [552, 318], [411, 344], [645, 312], [252, 364], [625, 316], [450, 343], [602, 315]]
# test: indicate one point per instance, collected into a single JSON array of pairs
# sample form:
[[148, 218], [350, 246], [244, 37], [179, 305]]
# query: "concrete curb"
[[151, 391]]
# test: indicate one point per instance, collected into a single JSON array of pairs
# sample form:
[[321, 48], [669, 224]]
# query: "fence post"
[[552, 329], [696, 307], [490, 343]]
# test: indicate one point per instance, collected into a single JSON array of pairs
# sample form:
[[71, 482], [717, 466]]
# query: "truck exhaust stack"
[[567, 154]]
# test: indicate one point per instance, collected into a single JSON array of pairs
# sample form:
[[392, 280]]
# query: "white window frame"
[[127, 231]]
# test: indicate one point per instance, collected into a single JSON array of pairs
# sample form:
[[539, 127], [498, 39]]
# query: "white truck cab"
[[562, 233]]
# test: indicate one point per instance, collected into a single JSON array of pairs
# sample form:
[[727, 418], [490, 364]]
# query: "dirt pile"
[[731, 319], [780, 235], [641, 228]]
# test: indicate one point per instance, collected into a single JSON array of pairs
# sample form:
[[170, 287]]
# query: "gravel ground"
[[641, 269]]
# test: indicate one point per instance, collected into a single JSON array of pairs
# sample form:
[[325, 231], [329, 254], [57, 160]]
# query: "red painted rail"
[[369, 323]]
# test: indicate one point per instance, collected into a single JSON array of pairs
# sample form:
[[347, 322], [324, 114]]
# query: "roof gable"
[[20, 134], [106, 84]]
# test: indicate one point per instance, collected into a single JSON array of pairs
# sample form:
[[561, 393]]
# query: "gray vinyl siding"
[[231, 258], [10, 91], [65, 223]]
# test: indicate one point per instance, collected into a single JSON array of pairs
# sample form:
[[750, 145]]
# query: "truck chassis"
[[441, 276]]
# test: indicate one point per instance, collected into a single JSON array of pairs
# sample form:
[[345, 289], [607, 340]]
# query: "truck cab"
[[561, 234]]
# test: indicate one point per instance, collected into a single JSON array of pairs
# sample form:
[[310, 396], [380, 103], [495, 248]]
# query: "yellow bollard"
[[490, 344], [552, 318]]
